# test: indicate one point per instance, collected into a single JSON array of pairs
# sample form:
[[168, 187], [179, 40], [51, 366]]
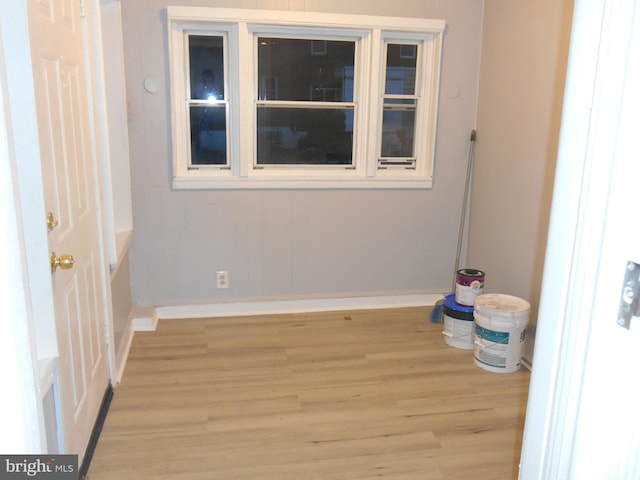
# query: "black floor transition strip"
[[95, 433]]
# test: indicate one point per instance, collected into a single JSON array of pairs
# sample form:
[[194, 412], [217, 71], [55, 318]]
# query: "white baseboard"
[[144, 319], [144, 324], [295, 306]]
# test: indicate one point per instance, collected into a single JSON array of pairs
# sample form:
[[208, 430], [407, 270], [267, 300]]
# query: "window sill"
[[191, 183]]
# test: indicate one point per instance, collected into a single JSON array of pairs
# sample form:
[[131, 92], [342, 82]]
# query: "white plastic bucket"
[[500, 330], [457, 323]]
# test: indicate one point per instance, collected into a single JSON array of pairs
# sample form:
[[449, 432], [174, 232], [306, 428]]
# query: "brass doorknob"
[[63, 261]]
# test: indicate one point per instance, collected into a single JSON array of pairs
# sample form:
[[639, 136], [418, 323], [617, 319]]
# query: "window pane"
[[401, 70], [397, 133], [305, 70], [206, 67], [290, 136], [208, 135]]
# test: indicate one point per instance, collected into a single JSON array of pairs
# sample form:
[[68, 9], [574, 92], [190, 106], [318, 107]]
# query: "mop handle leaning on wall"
[[436, 312], [463, 216]]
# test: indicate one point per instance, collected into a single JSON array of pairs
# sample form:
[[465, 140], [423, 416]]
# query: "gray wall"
[[121, 306], [524, 57], [294, 243]]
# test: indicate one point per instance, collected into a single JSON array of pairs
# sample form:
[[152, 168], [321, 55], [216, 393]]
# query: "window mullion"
[[233, 98], [246, 90], [371, 90], [178, 118]]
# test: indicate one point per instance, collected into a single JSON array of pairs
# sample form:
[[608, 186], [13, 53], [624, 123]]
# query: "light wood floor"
[[340, 395]]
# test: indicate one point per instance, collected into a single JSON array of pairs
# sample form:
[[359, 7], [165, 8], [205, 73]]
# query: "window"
[[309, 119], [207, 102], [265, 99], [399, 107]]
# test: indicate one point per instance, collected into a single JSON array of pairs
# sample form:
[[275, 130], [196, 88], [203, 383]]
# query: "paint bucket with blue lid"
[[458, 323]]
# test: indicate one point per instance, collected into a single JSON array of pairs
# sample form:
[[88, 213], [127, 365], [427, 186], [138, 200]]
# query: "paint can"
[[458, 323], [500, 329], [469, 284]]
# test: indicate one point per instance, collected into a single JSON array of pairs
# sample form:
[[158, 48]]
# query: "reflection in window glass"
[[207, 104], [397, 133], [303, 136], [206, 67], [293, 69], [208, 135], [401, 70]]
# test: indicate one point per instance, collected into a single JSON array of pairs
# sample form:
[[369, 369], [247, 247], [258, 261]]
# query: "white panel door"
[[64, 125]]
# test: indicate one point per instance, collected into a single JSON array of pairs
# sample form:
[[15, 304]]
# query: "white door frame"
[[578, 424], [20, 408], [31, 297]]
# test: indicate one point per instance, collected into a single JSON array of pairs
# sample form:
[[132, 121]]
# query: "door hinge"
[[83, 12]]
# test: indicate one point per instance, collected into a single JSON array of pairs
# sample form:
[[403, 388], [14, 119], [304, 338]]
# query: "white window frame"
[[214, 31], [241, 27]]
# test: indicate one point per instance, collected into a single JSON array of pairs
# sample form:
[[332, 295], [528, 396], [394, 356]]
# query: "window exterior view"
[[207, 103], [305, 107]]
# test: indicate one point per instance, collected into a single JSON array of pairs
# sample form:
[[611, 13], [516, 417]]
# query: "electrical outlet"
[[222, 279]]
